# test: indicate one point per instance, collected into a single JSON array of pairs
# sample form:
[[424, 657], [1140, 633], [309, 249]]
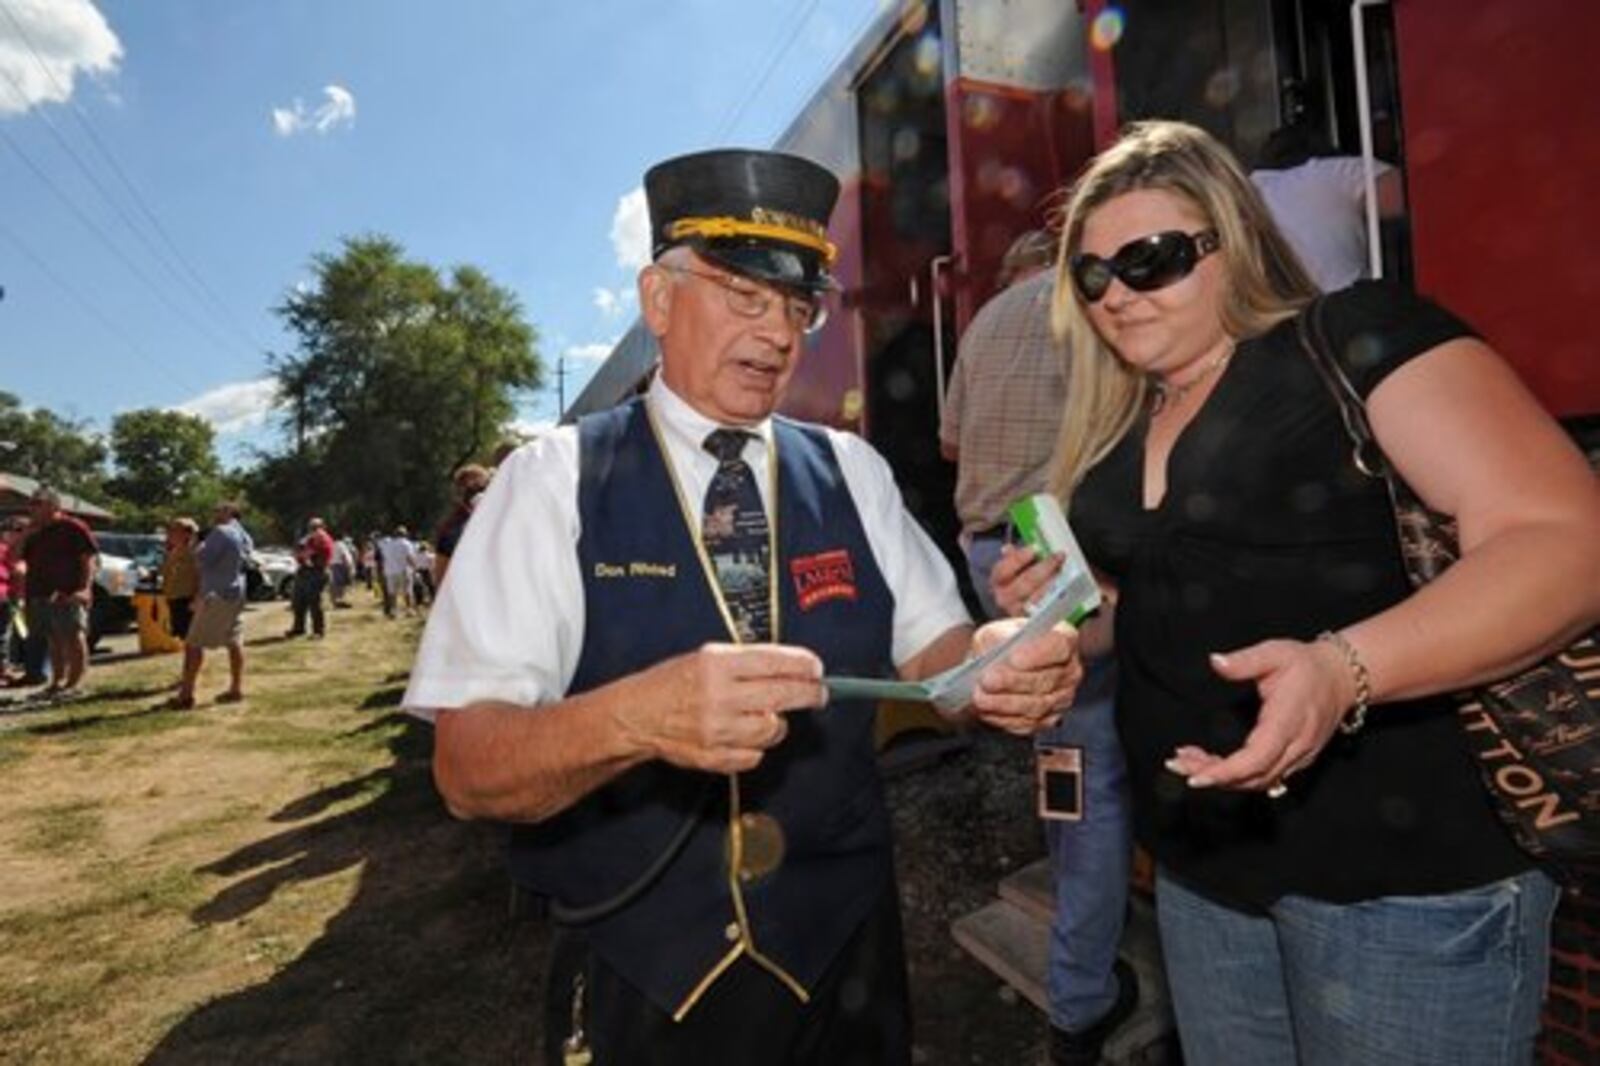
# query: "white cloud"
[[630, 231], [235, 407], [337, 109], [588, 353], [613, 302], [527, 428], [69, 37]]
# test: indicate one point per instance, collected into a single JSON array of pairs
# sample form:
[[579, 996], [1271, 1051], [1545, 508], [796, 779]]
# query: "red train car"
[[954, 124]]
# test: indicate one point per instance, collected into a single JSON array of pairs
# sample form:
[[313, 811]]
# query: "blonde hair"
[[1265, 281], [470, 477]]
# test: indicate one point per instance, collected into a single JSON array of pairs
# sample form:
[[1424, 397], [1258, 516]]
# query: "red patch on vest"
[[824, 577]]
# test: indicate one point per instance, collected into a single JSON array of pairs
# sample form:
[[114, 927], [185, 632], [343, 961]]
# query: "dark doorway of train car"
[[905, 226], [1318, 79], [1241, 68]]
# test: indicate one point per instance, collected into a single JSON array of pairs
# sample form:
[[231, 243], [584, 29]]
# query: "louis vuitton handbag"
[[1536, 734]]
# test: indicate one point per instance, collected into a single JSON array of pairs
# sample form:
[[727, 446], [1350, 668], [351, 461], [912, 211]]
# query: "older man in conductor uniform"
[[627, 664]]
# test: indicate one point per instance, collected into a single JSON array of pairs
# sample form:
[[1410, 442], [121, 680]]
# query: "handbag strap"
[[1428, 540], [1364, 450]]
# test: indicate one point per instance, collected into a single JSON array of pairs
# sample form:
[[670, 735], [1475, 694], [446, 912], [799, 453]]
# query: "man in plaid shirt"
[[1001, 418]]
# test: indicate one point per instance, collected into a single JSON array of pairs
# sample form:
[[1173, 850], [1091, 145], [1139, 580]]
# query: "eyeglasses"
[[1144, 265], [748, 300]]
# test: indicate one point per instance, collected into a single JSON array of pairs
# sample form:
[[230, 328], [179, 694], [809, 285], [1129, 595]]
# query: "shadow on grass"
[[133, 722], [16, 707], [384, 697], [122, 692], [36, 704], [422, 965], [261, 642]]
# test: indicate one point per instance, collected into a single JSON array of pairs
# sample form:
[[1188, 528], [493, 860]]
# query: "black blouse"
[[1268, 530]]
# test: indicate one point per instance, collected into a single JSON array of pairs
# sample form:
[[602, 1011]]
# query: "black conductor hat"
[[760, 214]]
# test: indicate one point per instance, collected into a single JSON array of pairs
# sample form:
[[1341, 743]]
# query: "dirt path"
[[277, 881]]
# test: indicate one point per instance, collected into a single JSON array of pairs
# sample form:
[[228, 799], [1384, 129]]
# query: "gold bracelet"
[[1356, 716]]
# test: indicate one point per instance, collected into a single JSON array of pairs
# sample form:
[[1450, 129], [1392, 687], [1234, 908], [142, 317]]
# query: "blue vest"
[[647, 599]]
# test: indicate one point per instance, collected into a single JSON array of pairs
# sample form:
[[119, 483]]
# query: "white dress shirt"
[[1320, 207], [508, 625]]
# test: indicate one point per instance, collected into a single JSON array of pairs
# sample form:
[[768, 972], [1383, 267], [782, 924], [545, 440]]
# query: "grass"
[[61, 826], [274, 881], [277, 882]]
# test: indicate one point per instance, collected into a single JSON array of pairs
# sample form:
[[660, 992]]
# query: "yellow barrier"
[[155, 625]]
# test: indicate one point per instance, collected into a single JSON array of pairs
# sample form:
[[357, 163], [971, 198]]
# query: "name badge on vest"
[[636, 568], [822, 577]]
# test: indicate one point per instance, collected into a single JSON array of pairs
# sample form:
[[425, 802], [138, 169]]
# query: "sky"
[[168, 169]]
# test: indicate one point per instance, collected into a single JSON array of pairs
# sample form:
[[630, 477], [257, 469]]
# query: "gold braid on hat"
[[771, 225]]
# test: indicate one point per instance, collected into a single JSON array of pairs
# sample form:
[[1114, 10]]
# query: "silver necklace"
[[1168, 394]]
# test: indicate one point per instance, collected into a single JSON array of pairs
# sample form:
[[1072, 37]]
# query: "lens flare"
[[1107, 28], [1222, 87], [906, 145], [980, 111], [852, 404], [927, 57]]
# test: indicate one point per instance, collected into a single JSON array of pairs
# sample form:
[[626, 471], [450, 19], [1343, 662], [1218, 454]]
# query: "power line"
[[850, 42], [787, 36], [194, 276], [94, 311], [95, 181], [104, 239]]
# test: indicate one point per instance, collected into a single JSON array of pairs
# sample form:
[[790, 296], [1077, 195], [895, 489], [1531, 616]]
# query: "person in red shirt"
[[10, 588], [60, 556], [313, 553]]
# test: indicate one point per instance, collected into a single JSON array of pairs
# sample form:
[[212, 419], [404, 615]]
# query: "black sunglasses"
[[1144, 265]]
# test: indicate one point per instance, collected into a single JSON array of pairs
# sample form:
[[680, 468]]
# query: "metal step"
[[1011, 938], [1010, 942], [1032, 888]]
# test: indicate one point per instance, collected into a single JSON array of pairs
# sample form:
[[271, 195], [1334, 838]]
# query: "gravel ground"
[[960, 827]]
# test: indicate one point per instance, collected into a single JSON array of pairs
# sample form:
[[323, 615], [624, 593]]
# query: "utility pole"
[[561, 386]]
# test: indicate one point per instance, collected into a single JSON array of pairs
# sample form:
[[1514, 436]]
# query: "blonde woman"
[[1323, 897], [180, 574]]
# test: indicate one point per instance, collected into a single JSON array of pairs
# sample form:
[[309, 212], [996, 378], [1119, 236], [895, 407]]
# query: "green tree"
[[162, 462], [399, 376], [42, 445]]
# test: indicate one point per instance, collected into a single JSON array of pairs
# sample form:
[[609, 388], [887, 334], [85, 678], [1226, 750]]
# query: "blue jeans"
[[306, 598], [982, 553], [1090, 860], [1447, 980]]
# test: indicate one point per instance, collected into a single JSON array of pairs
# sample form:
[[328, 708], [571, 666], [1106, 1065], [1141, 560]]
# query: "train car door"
[[905, 227]]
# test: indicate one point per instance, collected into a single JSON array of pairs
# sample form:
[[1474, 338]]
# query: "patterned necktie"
[[735, 534]]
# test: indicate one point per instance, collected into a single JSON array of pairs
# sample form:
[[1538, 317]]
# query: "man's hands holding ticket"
[[722, 707], [1028, 688]]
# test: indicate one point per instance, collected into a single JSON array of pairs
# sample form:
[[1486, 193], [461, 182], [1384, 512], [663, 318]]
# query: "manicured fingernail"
[[1199, 781], [1218, 659], [1174, 765]]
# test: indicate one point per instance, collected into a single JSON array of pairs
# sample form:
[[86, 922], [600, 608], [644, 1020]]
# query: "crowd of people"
[[48, 560]]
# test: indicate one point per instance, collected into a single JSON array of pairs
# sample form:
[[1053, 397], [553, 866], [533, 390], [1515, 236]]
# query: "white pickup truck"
[[115, 581]]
